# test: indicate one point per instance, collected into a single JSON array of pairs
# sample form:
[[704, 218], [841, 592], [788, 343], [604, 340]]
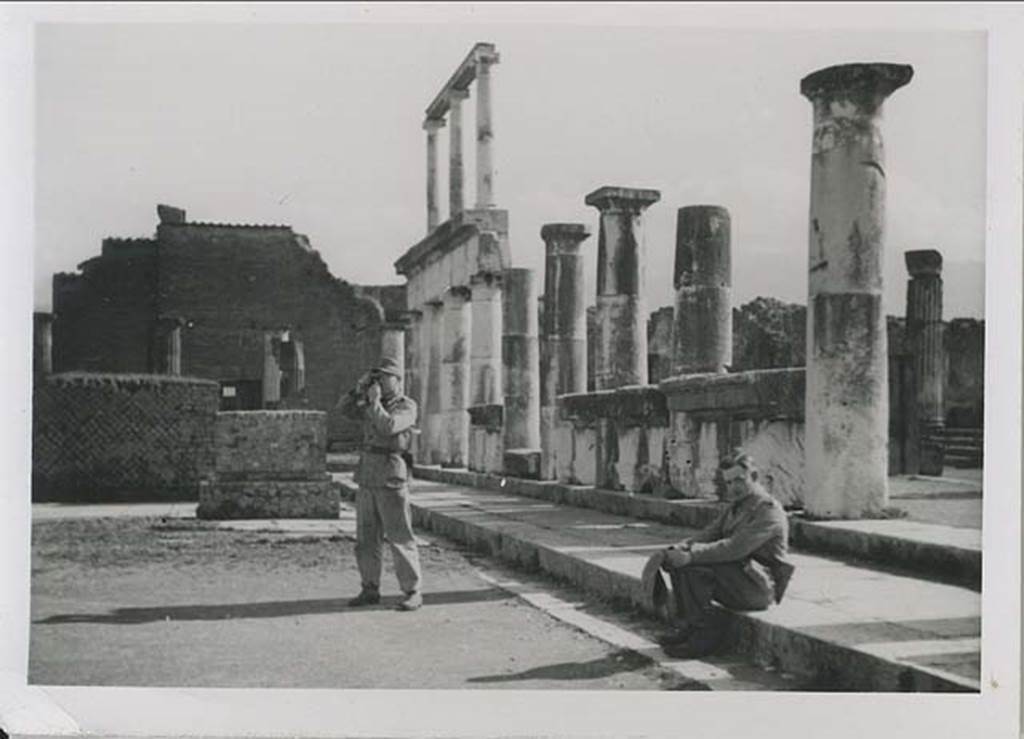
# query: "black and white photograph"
[[513, 370]]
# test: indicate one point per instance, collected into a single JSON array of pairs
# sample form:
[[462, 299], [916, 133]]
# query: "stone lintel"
[[462, 77], [564, 236], [490, 416], [451, 234], [769, 393], [633, 405], [612, 197], [861, 81], [923, 262]]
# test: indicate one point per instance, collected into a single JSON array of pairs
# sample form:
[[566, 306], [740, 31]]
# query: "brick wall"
[[121, 437]]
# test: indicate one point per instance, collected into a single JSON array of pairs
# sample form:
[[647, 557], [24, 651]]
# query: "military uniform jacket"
[[755, 527], [387, 434]]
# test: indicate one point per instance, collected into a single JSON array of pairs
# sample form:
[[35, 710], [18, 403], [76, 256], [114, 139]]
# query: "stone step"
[[840, 626], [943, 553]]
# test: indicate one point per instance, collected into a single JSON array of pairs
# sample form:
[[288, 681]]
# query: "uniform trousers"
[[383, 512], [739, 586]]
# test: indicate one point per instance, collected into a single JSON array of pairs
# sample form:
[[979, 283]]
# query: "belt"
[[381, 450]]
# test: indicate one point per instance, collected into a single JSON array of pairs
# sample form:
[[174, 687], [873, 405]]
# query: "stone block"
[[275, 445], [255, 499], [522, 463]]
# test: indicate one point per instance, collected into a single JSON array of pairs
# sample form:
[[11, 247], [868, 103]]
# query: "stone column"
[[702, 327], [42, 343], [456, 173], [431, 126], [392, 343], [455, 378], [563, 347], [272, 373], [485, 342], [847, 404], [433, 333], [620, 356], [413, 388], [520, 368], [484, 135], [925, 343]]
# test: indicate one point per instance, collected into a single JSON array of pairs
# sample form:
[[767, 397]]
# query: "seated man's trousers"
[[740, 586]]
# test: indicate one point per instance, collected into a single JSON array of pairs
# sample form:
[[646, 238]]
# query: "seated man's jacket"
[[754, 527], [387, 435]]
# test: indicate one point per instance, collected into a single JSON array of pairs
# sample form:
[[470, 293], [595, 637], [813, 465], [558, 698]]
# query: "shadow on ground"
[[264, 609], [612, 664]]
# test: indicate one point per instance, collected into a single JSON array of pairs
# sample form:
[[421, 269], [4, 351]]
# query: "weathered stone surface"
[[847, 393], [253, 499], [524, 463], [659, 344], [270, 444], [964, 394], [702, 332], [431, 126], [639, 405], [520, 366]]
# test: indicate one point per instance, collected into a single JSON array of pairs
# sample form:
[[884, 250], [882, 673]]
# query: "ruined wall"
[[121, 437], [232, 283], [103, 317], [965, 373], [659, 345]]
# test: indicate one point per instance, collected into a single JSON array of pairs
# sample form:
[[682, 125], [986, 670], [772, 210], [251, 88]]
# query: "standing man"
[[739, 560], [382, 501]]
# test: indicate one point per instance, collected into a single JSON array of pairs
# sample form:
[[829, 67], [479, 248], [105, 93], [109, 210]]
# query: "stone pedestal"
[[455, 378], [924, 341], [520, 368], [702, 329], [847, 388], [620, 357], [563, 342], [269, 464]]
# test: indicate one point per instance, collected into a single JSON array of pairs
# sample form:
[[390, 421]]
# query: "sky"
[[319, 127]]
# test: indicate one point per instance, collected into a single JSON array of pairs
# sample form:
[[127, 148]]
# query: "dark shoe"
[[781, 574], [411, 602], [366, 597], [675, 638], [701, 643]]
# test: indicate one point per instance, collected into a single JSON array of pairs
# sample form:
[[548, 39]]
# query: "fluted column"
[[621, 352], [485, 344], [925, 343], [520, 368], [455, 378], [847, 404], [431, 126], [563, 343], [433, 333], [702, 327], [484, 134], [456, 171]]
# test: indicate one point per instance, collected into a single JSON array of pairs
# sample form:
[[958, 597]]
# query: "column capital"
[[455, 96], [923, 263], [457, 294], [485, 278], [432, 125], [612, 198], [866, 84], [564, 238]]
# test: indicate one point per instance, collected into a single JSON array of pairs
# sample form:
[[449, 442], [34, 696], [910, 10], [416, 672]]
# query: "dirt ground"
[[161, 603]]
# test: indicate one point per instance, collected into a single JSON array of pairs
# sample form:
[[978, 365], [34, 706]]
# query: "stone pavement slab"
[[854, 627]]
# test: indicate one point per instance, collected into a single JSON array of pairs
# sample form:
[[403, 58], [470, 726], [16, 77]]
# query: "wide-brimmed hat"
[[389, 366]]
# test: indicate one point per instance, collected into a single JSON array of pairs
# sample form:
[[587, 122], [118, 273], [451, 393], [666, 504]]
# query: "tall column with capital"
[[484, 134], [620, 356], [563, 342], [456, 171], [431, 126], [925, 343], [847, 404], [520, 368], [702, 327], [455, 378]]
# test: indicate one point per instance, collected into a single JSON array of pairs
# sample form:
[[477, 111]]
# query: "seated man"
[[739, 560]]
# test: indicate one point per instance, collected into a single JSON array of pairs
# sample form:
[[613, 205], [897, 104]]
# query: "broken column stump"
[[270, 464]]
